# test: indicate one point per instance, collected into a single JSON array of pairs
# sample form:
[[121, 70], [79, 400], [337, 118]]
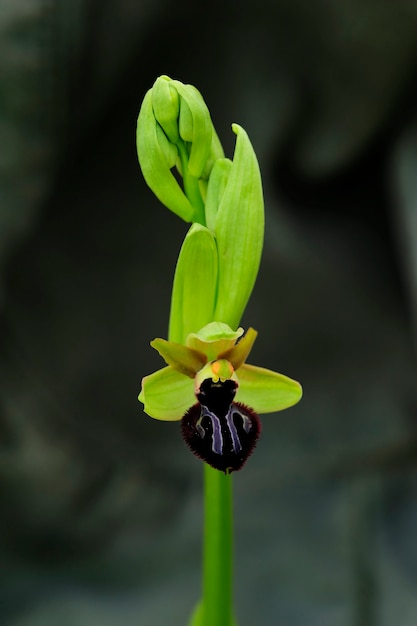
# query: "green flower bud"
[[195, 284], [169, 149], [175, 129], [166, 107], [239, 228], [156, 156], [195, 127]]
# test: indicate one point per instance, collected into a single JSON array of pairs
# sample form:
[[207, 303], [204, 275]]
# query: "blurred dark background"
[[100, 506]]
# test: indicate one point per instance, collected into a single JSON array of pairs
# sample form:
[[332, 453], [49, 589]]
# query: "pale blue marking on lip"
[[217, 438], [247, 426], [233, 430]]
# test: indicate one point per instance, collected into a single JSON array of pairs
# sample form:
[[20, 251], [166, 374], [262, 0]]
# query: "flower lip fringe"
[[219, 431]]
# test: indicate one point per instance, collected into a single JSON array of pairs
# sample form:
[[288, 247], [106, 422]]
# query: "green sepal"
[[185, 360], [239, 229], [195, 284], [217, 184], [155, 160], [266, 391], [167, 394]]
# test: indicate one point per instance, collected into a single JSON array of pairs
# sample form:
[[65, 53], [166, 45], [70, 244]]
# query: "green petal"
[[195, 284], [155, 158], [185, 360], [167, 394], [238, 354], [266, 391]]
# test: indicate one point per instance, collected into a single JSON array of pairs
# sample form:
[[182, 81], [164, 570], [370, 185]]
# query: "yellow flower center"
[[219, 370]]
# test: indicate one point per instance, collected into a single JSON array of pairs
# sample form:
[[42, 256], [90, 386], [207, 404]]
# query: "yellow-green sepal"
[[167, 394], [266, 391]]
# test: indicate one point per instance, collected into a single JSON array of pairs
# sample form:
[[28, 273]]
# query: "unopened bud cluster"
[[222, 198]]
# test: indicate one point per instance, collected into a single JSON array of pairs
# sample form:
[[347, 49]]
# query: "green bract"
[[215, 189], [239, 229], [195, 284], [213, 352]]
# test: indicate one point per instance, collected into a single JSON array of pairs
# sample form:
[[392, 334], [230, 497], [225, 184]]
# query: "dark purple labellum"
[[219, 431]]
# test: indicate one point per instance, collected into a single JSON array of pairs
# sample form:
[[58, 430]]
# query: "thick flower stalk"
[[207, 385]]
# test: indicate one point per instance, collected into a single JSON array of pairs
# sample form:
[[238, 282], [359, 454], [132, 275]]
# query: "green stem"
[[218, 550], [191, 187]]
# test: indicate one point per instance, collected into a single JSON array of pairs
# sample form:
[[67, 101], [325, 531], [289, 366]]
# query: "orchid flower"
[[210, 370]]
